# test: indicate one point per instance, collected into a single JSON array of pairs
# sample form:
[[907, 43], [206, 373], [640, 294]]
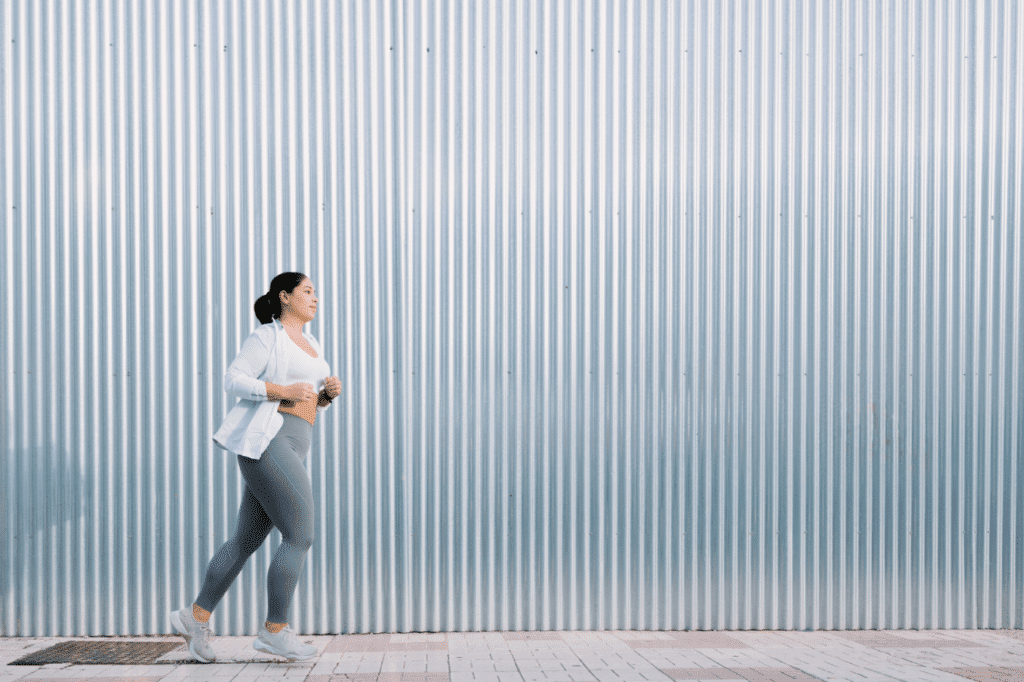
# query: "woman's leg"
[[280, 483], [251, 530]]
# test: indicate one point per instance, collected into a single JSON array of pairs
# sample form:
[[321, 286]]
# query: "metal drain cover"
[[90, 652]]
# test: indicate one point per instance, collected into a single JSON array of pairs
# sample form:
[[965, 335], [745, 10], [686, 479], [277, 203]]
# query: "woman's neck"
[[291, 323]]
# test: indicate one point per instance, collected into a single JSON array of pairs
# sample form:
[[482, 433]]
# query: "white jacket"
[[253, 422]]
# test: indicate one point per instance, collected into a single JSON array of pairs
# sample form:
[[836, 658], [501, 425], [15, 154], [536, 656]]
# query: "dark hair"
[[268, 306]]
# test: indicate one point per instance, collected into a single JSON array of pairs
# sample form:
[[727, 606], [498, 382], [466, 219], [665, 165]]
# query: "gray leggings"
[[277, 494]]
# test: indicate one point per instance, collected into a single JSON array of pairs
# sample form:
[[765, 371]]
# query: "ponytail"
[[265, 308], [268, 306]]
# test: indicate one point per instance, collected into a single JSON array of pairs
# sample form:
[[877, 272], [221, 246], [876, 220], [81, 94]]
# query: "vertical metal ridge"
[[8, 210]]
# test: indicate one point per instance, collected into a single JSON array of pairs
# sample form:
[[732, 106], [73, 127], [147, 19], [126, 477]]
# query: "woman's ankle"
[[274, 628], [200, 614]]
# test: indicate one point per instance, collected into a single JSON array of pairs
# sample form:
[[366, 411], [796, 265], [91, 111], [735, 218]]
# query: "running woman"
[[282, 382]]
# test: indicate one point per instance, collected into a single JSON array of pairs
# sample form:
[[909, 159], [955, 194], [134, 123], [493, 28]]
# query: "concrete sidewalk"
[[572, 657]]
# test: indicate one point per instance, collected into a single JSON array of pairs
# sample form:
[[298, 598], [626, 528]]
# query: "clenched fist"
[[332, 387]]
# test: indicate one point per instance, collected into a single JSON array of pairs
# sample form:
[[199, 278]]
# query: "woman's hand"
[[298, 392], [332, 387]]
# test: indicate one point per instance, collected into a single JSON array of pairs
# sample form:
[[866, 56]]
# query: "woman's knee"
[[301, 541], [300, 537]]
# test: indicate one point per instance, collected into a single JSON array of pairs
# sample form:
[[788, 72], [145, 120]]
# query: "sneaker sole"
[[260, 645], [183, 631]]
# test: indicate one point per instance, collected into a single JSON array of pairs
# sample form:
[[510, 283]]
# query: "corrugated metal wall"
[[649, 314]]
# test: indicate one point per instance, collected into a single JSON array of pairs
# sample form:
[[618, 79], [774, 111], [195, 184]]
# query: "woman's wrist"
[[274, 392]]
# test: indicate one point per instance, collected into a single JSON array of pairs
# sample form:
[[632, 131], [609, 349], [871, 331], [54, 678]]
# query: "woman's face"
[[301, 302]]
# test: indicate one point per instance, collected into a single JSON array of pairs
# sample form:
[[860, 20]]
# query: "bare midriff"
[[305, 409]]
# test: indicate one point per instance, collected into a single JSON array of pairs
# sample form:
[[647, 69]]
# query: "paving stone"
[[741, 658], [989, 674], [381, 643], [690, 640], [70, 678], [880, 638], [774, 674], [533, 636], [702, 674]]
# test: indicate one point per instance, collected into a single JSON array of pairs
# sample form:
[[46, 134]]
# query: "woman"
[[281, 381]]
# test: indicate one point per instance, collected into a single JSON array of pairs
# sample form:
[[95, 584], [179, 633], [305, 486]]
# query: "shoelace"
[[288, 637]]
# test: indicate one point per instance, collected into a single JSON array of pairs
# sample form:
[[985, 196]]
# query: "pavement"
[[953, 655]]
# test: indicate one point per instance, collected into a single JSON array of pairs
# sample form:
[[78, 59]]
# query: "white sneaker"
[[195, 633], [283, 643]]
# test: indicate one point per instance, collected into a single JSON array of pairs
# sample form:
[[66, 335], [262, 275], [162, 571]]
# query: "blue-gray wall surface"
[[650, 314]]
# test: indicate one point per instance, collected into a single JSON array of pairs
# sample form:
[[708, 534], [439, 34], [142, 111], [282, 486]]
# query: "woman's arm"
[[275, 391], [240, 379]]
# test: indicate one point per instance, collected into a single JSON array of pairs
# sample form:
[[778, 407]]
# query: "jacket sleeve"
[[241, 379]]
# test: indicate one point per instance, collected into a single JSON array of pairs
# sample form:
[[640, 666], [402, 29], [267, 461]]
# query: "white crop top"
[[304, 367]]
